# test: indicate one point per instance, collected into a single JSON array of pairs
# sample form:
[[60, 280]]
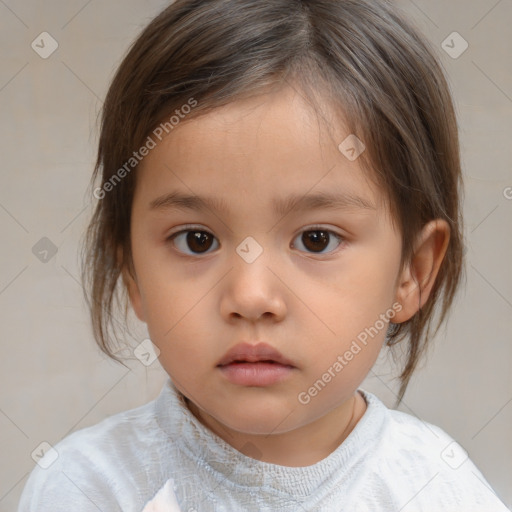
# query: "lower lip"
[[255, 374]]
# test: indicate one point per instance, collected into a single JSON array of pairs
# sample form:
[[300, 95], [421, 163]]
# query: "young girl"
[[279, 198]]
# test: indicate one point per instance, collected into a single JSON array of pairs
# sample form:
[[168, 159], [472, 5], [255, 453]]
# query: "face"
[[254, 265]]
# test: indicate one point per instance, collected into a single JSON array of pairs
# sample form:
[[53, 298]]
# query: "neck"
[[303, 446]]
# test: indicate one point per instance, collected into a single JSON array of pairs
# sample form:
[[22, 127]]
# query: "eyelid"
[[341, 239], [319, 227], [313, 227], [188, 227]]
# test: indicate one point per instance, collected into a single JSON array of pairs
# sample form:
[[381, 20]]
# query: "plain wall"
[[54, 378]]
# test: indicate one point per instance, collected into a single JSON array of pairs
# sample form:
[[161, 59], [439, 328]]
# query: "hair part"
[[365, 58]]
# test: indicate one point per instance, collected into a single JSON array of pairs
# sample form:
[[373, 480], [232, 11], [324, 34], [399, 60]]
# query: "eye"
[[197, 240], [318, 239]]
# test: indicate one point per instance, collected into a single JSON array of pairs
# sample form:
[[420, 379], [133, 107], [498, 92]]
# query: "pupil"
[[196, 241], [312, 240], [199, 241]]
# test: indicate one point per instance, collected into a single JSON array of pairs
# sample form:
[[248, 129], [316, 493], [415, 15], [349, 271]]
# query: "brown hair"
[[363, 56]]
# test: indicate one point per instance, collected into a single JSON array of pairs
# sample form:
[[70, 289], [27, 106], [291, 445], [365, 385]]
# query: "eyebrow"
[[320, 200]]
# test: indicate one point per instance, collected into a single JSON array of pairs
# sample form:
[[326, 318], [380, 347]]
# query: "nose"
[[253, 291]]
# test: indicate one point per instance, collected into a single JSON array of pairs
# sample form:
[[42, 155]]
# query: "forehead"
[[272, 143]]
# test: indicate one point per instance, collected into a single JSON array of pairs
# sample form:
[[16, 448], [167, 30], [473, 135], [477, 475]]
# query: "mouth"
[[254, 362], [255, 365], [255, 374], [269, 361], [244, 353]]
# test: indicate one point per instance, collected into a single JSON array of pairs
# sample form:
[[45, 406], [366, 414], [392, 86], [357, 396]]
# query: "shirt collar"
[[195, 441]]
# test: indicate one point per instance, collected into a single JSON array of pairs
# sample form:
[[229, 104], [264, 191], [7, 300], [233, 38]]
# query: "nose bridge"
[[250, 250], [252, 288], [251, 265]]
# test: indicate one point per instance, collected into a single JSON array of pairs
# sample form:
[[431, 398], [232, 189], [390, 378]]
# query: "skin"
[[309, 305]]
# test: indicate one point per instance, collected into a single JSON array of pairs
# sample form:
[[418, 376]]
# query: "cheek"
[[184, 347], [177, 308], [164, 298], [353, 309], [178, 317], [352, 296]]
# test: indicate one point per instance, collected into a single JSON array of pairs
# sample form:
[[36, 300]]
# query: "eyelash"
[[193, 228]]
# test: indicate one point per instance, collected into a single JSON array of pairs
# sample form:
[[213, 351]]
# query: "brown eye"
[[195, 241], [317, 240]]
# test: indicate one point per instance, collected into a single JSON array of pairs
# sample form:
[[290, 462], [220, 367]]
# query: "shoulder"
[[87, 469], [426, 469]]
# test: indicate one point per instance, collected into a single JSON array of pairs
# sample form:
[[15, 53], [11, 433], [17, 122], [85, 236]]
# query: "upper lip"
[[253, 353]]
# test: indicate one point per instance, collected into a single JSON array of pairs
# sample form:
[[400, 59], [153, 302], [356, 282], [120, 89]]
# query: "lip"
[[255, 365], [255, 374], [254, 353]]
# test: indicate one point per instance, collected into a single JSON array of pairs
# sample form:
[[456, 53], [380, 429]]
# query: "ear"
[[416, 280], [130, 282], [134, 295]]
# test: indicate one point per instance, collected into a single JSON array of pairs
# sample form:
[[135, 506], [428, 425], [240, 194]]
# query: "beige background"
[[55, 380]]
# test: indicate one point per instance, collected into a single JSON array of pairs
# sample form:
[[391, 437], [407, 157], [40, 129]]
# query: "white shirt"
[[391, 461]]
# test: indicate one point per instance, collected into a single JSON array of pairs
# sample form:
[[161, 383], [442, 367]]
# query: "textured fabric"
[[165, 500], [391, 461]]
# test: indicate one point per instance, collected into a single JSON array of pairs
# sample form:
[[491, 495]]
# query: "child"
[[279, 199]]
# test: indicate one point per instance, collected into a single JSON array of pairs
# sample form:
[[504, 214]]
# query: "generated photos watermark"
[[304, 397], [158, 133]]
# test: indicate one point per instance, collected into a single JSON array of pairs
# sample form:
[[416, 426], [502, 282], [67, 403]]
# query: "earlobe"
[[418, 276], [130, 283], [134, 294]]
